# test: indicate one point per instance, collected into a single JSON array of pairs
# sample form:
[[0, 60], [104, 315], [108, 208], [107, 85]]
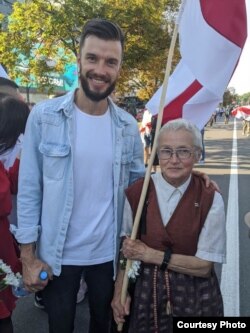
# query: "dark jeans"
[[60, 297]]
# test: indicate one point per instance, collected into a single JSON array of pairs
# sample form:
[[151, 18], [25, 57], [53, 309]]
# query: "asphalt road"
[[218, 142], [29, 319]]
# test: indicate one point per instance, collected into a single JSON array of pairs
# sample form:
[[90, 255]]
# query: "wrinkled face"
[[99, 65], [176, 170]]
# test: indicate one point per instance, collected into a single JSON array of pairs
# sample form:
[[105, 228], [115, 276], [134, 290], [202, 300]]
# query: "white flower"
[[10, 279], [5, 269], [134, 270]]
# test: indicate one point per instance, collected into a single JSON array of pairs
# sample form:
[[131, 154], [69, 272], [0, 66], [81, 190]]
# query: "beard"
[[93, 95]]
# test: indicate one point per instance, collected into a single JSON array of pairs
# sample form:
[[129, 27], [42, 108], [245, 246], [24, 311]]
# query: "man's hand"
[[31, 268], [207, 180]]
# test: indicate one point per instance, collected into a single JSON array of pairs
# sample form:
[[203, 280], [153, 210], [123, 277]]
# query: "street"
[[227, 162]]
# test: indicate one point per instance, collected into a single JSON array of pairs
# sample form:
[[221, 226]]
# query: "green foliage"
[[245, 99], [229, 96], [41, 33]]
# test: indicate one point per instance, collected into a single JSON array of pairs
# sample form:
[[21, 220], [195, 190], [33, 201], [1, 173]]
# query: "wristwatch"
[[166, 259]]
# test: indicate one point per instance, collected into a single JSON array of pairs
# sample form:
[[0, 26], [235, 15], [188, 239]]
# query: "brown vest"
[[184, 227]]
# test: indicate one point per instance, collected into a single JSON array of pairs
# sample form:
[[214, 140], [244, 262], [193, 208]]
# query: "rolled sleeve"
[[26, 235]]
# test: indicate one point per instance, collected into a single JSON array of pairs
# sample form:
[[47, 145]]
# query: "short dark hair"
[[103, 29], [13, 117], [6, 82]]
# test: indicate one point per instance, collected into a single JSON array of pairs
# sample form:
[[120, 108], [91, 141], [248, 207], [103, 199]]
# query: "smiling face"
[[175, 170], [99, 65]]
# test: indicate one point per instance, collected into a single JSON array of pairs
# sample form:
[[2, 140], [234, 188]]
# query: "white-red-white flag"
[[212, 35], [242, 112]]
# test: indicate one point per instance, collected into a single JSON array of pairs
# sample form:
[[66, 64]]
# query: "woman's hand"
[[120, 311], [137, 250], [134, 249]]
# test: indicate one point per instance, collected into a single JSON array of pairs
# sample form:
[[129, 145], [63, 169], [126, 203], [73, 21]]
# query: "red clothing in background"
[[8, 246]]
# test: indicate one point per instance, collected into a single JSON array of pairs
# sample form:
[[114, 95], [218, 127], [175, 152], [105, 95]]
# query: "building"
[[60, 83]]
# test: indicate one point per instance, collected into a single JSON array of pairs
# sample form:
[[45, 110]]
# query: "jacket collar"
[[67, 106]]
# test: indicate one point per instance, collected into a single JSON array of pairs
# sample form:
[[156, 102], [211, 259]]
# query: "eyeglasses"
[[181, 153]]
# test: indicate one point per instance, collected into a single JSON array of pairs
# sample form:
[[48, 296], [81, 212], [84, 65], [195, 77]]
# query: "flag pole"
[[152, 156]]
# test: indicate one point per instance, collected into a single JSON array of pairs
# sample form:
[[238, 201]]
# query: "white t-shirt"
[[211, 244], [90, 236]]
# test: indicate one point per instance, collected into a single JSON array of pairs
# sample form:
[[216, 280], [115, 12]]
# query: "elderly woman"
[[182, 234]]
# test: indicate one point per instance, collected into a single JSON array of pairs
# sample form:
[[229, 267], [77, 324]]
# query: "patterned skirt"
[[189, 297]]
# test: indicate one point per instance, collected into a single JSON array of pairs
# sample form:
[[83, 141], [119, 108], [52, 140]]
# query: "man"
[[80, 152]]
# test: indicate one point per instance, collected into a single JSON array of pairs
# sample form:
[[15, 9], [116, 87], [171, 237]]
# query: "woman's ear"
[[197, 155]]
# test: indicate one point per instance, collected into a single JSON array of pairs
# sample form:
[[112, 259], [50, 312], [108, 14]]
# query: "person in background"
[[203, 151], [246, 127], [153, 130], [227, 115], [181, 235], [8, 86], [9, 156], [145, 130], [13, 117], [84, 151]]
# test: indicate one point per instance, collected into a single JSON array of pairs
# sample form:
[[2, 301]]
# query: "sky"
[[241, 78]]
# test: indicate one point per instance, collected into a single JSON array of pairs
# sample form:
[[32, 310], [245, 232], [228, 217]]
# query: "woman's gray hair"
[[178, 124]]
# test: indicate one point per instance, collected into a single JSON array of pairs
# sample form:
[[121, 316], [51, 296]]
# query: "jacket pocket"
[[126, 160], [55, 159]]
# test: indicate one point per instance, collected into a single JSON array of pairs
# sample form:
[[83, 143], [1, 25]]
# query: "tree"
[[245, 99], [43, 32], [28, 48], [230, 98]]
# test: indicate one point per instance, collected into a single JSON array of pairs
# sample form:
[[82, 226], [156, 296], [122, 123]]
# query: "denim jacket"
[[45, 196]]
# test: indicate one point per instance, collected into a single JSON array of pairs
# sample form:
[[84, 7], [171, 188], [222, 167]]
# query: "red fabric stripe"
[[228, 18], [244, 109], [173, 110]]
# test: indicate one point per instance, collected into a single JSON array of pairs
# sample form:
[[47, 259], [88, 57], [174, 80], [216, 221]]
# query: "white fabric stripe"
[[242, 115], [209, 55], [181, 78], [199, 114]]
